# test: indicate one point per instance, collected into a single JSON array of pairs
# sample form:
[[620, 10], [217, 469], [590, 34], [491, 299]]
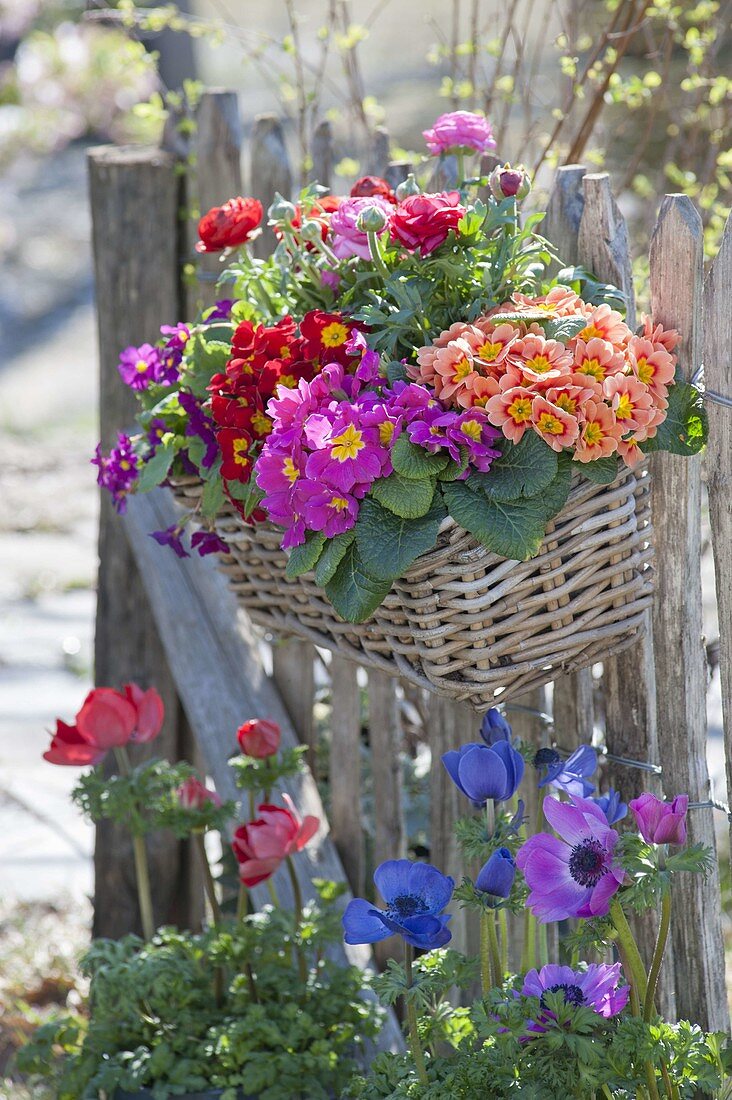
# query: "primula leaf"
[[409, 460], [603, 471], [684, 431], [354, 593], [303, 558], [389, 544], [511, 529], [247, 493], [453, 469], [157, 468], [552, 499], [332, 555], [212, 497], [524, 469], [564, 328], [404, 496], [396, 371], [205, 358]]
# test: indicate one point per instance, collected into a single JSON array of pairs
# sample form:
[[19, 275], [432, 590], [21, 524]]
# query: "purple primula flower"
[[568, 775], [221, 311], [415, 895], [597, 988], [472, 430], [494, 727], [200, 425], [611, 805], [155, 432], [138, 367], [208, 542], [367, 371], [496, 876], [432, 428], [117, 471], [171, 353], [171, 537], [349, 453], [327, 510], [575, 876], [661, 822], [482, 772]]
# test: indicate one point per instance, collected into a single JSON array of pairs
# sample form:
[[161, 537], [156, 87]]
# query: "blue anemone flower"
[[494, 727], [482, 772], [495, 877], [569, 775], [415, 895], [610, 804]]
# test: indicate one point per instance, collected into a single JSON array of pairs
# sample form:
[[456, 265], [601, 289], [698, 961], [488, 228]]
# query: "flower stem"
[[528, 957], [671, 1090], [297, 900], [144, 895], [242, 902], [649, 1005], [490, 919], [375, 253], [503, 924], [486, 976], [625, 939], [208, 880], [411, 1013]]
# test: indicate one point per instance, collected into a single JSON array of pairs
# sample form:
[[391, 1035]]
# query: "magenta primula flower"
[[431, 430], [138, 367], [472, 430], [117, 471], [171, 353], [460, 130], [597, 988], [327, 510], [349, 454], [574, 876]]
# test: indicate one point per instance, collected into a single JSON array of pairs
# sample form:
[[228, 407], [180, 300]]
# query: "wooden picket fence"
[[173, 623]]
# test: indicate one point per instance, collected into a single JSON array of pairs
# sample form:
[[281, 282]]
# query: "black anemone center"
[[587, 862], [573, 995], [546, 758], [406, 905]]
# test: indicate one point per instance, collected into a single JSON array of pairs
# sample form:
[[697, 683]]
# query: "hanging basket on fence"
[[463, 622]]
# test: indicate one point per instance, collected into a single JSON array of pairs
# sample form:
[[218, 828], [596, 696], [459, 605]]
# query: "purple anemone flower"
[[171, 537], [208, 542], [138, 367], [568, 775], [496, 876], [661, 822], [597, 988], [574, 876], [611, 805], [415, 895], [482, 772]]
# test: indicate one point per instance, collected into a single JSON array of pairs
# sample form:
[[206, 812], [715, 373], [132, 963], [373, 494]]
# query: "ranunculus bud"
[[259, 737], [311, 230], [281, 210], [496, 876], [408, 187], [372, 220], [661, 822], [509, 183], [193, 794]]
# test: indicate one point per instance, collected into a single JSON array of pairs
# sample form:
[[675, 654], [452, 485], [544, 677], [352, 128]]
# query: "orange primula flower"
[[652, 364], [605, 323], [493, 345], [478, 392], [599, 434], [511, 412], [536, 358], [667, 338], [597, 359], [555, 426], [630, 400], [453, 364], [630, 452]]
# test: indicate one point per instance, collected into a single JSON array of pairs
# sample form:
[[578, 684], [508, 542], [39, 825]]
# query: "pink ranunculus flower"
[[194, 795], [661, 822], [460, 130], [422, 222], [347, 239], [259, 737], [278, 832]]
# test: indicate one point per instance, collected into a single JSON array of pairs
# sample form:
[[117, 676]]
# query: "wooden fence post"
[[346, 820], [322, 170], [718, 375], [572, 700], [397, 171], [377, 160], [134, 204], [676, 298], [269, 171], [293, 669]]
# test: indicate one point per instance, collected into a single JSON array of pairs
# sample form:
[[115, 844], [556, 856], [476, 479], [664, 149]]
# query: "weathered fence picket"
[[135, 198]]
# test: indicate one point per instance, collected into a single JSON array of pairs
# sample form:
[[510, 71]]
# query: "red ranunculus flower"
[[368, 186], [229, 225], [259, 737], [262, 845], [325, 336], [69, 747], [193, 794], [150, 712], [422, 222], [235, 444]]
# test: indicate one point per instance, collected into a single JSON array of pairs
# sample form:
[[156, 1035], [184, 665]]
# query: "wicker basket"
[[463, 622]]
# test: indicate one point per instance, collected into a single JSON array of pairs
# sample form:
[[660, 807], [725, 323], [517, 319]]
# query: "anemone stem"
[[649, 1004], [486, 974], [635, 969], [411, 1013], [208, 879], [297, 901], [139, 851], [503, 924]]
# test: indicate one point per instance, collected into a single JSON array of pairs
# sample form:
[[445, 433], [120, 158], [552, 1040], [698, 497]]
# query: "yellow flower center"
[[124, 464], [288, 380], [285, 352], [261, 423], [471, 428], [334, 334], [594, 368], [141, 366], [386, 431], [462, 369], [488, 351], [593, 433], [550, 424], [539, 363], [590, 332], [338, 503], [566, 403], [625, 407], [241, 446], [347, 444], [520, 409], [290, 470], [645, 371]]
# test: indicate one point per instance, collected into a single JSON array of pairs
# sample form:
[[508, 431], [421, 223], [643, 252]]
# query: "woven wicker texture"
[[463, 622]]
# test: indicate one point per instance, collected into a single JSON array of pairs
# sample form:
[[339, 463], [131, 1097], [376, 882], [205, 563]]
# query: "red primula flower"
[[237, 463], [368, 186], [259, 737], [422, 222], [69, 747], [262, 845], [325, 336], [229, 225], [282, 372]]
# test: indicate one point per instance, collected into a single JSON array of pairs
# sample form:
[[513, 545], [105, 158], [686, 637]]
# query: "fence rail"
[[653, 695]]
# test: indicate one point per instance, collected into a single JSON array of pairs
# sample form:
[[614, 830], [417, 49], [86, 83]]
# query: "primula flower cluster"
[[600, 392]]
